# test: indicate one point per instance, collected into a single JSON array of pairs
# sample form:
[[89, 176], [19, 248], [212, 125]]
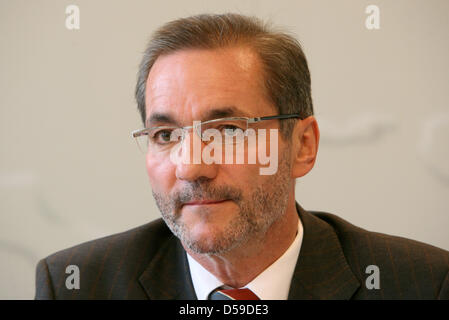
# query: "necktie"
[[233, 294]]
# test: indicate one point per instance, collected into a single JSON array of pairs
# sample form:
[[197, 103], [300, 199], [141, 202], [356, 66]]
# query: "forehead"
[[191, 82]]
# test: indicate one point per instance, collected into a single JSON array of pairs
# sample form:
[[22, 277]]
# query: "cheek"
[[161, 173], [243, 176]]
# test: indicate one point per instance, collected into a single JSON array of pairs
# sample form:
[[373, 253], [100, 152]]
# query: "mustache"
[[196, 191]]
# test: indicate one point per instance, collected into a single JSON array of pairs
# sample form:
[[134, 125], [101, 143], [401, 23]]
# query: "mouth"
[[204, 202]]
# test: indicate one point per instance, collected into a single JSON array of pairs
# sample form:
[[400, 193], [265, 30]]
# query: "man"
[[229, 231]]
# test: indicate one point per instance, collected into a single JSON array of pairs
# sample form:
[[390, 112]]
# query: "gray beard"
[[266, 204]]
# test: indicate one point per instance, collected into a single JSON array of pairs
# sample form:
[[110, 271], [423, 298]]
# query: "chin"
[[209, 240]]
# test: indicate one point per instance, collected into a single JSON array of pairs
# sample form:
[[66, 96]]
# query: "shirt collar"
[[272, 284]]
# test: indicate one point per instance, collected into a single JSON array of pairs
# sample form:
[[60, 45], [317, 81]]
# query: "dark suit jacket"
[[149, 262]]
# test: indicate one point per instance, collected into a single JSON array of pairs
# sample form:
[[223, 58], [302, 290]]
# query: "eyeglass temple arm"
[[281, 116]]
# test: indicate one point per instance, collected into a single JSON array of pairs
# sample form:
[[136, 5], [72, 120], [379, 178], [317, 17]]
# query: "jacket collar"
[[167, 277], [321, 272]]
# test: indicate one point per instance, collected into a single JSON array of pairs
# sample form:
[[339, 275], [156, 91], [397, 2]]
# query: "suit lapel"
[[322, 271], [167, 277]]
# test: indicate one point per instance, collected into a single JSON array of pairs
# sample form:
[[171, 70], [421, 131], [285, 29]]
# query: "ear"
[[305, 140]]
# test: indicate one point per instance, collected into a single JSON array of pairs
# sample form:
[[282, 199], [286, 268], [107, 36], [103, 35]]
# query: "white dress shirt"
[[272, 284]]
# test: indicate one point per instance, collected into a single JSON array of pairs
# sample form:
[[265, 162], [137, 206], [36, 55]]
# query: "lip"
[[204, 202]]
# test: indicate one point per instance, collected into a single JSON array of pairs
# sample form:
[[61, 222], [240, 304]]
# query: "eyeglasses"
[[233, 130]]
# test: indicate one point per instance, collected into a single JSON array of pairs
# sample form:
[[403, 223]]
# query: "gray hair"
[[286, 74]]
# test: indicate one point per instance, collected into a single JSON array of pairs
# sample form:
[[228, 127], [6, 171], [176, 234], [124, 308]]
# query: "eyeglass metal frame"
[[197, 126], [140, 132]]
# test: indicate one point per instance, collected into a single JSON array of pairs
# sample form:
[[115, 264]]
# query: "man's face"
[[217, 207]]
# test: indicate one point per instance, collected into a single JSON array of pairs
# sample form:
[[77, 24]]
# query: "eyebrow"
[[214, 113], [161, 118], [224, 112]]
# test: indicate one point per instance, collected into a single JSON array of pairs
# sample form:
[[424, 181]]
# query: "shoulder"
[[105, 265], [408, 268], [355, 238], [147, 237]]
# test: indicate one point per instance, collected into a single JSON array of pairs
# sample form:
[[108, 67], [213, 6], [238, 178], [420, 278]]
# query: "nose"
[[190, 166]]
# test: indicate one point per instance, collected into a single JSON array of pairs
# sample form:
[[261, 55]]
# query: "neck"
[[259, 252]]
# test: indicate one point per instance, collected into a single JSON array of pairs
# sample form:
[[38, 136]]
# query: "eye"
[[230, 129], [162, 136]]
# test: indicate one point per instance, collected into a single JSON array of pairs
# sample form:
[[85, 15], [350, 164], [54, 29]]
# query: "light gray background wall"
[[69, 171]]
